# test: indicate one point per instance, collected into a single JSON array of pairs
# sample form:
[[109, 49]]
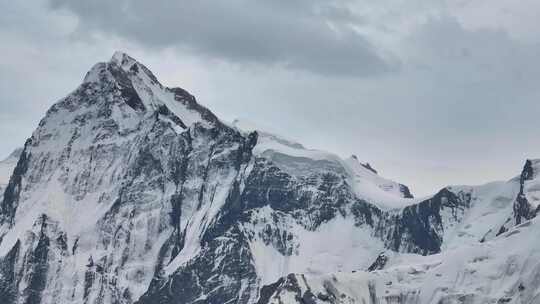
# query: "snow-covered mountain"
[[6, 168], [295, 159], [132, 192]]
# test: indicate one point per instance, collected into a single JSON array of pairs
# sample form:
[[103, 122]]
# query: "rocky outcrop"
[[525, 205], [523, 210]]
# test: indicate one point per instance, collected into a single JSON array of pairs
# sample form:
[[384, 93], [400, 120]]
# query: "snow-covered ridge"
[[485, 257], [297, 160]]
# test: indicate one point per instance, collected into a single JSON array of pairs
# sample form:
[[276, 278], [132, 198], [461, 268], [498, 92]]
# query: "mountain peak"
[[122, 80], [124, 61], [120, 56]]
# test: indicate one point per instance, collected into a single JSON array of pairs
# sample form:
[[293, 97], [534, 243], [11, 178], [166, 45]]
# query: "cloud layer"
[[317, 36]]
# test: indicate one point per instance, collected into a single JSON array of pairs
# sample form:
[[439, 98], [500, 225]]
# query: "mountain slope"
[[132, 192], [504, 270], [479, 261], [6, 168]]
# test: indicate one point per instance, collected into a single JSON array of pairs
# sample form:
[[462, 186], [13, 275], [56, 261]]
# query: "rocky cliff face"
[[526, 205], [132, 192]]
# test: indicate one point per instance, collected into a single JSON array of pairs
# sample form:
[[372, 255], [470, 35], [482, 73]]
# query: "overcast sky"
[[429, 92]]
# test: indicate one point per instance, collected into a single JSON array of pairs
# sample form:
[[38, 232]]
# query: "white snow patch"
[[337, 245]]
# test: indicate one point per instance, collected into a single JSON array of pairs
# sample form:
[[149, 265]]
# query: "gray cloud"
[[309, 35]]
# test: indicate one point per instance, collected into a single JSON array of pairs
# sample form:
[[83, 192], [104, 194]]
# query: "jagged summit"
[[123, 61], [122, 58], [143, 92]]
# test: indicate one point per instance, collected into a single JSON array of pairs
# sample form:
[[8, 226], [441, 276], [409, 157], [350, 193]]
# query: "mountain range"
[[132, 192]]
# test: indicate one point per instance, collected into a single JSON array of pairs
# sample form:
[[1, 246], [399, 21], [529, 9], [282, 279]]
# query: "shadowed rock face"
[[131, 192], [522, 208], [379, 263], [419, 228], [406, 191]]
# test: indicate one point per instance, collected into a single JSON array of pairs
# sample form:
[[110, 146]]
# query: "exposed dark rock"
[[129, 94], [405, 191], [367, 166], [8, 277], [379, 263], [522, 208], [418, 228], [268, 290]]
